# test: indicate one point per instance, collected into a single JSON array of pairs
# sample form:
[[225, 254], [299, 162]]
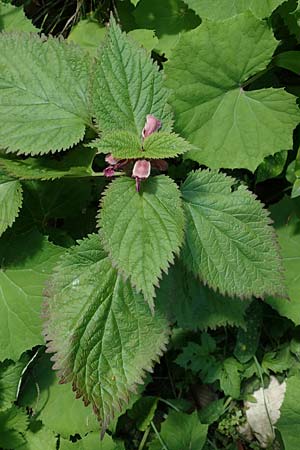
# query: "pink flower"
[[110, 159], [141, 171], [152, 124]]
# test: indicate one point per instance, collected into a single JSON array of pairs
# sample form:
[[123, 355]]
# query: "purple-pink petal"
[[152, 124], [110, 159], [109, 172], [141, 169]]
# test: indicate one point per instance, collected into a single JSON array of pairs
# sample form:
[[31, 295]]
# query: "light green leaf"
[[76, 163], [39, 439], [230, 244], [44, 94], [287, 224], [288, 423], [102, 333], [194, 306], [289, 60], [13, 18], [233, 127], [222, 9], [123, 144], [10, 380], [142, 230], [89, 34], [10, 201], [26, 262], [168, 18], [134, 2], [181, 431], [127, 86], [51, 397], [91, 442], [146, 38], [229, 377]]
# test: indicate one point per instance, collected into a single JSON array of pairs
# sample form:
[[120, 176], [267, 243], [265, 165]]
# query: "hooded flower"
[[152, 124], [141, 171]]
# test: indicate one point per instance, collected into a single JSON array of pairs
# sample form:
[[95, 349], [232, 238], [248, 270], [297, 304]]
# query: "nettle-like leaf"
[[124, 144], [230, 244], [12, 18], [287, 224], [194, 306], [75, 163], [13, 424], [127, 86], [10, 201], [233, 127], [44, 93], [25, 264], [41, 438], [142, 230], [102, 332], [222, 9]]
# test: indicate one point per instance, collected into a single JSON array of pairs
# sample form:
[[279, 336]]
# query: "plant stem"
[[169, 404], [164, 447], [144, 439], [254, 78], [263, 389]]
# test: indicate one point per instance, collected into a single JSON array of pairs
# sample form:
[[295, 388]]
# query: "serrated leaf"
[[26, 262], [89, 34], [102, 333], [92, 442], [10, 201], [288, 423], [209, 68], [230, 244], [12, 18], [44, 94], [287, 224], [169, 20], [51, 397], [228, 374], [123, 144], [194, 306], [222, 9], [142, 230], [76, 163], [127, 86], [181, 431]]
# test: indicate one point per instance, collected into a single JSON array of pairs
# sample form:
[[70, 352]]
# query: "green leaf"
[[194, 306], [127, 86], [271, 167], [91, 442], [13, 18], [40, 439], [247, 340], [44, 94], [277, 361], [181, 431], [143, 412], [289, 60], [287, 224], [230, 244], [123, 144], [13, 423], [288, 423], [26, 262], [89, 34], [10, 381], [142, 230], [10, 201], [102, 333], [75, 163], [222, 9], [146, 38], [43, 394], [228, 374], [168, 18], [208, 72]]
